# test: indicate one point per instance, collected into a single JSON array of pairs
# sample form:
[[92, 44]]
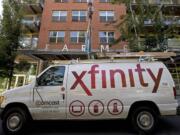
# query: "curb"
[[178, 109]]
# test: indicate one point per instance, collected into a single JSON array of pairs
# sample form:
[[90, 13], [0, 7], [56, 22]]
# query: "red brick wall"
[[47, 24]]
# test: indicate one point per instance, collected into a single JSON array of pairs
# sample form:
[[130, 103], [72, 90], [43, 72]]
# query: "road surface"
[[167, 126]]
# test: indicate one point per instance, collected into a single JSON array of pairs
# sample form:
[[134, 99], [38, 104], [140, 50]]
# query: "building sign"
[[103, 48]]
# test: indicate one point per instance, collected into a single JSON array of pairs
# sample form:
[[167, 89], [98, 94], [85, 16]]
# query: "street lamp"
[[89, 29]]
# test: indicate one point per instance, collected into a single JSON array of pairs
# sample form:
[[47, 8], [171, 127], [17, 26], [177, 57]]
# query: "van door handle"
[[63, 96]]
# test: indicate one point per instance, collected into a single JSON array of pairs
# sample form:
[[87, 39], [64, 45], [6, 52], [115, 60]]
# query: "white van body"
[[104, 90]]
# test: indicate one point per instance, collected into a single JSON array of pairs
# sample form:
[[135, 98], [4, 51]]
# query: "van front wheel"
[[14, 121], [144, 120]]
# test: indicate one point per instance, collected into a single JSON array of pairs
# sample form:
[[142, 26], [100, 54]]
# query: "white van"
[[140, 91]]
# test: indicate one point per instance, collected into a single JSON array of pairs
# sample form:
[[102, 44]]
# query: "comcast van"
[[140, 91]]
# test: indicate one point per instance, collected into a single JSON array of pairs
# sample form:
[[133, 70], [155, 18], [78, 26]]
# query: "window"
[[105, 1], [29, 41], [60, 1], [106, 16], [59, 16], [106, 37], [56, 36], [81, 1], [79, 16], [78, 37], [159, 1], [52, 77]]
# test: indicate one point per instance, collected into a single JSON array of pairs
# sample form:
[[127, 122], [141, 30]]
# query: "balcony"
[[157, 2], [32, 6], [169, 7], [166, 2], [29, 43], [174, 44], [172, 21], [31, 24], [175, 20], [148, 22]]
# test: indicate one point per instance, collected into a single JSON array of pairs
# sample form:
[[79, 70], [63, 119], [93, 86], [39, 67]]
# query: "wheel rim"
[[14, 122], [145, 120]]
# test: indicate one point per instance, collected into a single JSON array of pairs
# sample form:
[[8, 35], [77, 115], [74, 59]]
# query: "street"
[[167, 126]]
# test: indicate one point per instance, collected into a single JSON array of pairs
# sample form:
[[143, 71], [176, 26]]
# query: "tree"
[[9, 37], [134, 25], [23, 66]]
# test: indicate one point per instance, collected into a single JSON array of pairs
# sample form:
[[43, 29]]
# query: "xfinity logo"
[[112, 72]]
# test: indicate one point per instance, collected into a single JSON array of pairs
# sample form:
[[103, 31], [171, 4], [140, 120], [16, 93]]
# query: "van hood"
[[17, 90], [18, 95], [20, 90]]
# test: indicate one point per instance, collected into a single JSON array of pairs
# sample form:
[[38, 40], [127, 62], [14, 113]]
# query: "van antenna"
[[73, 61], [172, 60], [112, 59]]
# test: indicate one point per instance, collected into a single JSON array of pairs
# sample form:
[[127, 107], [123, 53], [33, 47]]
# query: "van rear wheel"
[[14, 121], [144, 120]]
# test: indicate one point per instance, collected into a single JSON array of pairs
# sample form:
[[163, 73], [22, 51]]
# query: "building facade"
[[65, 24], [58, 30]]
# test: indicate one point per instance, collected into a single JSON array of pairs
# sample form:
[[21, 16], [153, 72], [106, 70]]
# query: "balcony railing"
[[29, 43], [32, 6], [157, 2], [30, 1], [31, 23], [167, 21], [174, 44]]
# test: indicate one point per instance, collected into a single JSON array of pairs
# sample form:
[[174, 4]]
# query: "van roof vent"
[[147, 59], [74, 61]]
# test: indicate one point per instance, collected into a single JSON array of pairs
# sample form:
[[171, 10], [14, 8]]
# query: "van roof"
[[74, 62]]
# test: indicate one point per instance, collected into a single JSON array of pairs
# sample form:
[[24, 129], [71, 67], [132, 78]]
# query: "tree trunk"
[[11, 75]]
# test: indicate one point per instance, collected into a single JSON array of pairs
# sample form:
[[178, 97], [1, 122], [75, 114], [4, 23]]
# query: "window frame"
[[107, 15], [79, 16], [104, 1], [60, 12], [61, 1], [78, 37], [107, 37], [56, 37], [80, 1]]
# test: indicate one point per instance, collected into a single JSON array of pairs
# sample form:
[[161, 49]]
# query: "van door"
[[50, 94]]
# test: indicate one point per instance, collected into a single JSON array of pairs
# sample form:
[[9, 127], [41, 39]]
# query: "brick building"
[[57, 30], [64, 26]]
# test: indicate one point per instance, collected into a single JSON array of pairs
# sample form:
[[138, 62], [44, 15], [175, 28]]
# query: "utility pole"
[[89, 29]]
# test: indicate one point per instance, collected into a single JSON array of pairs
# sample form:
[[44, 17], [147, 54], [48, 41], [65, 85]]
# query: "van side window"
[[52, 77]]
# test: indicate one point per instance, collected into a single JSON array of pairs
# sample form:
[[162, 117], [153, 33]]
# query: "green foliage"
[[23, 66], [132, 28], [9, 37]]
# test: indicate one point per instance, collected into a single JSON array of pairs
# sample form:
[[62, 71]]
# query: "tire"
[[14, 121], [144, 120]]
